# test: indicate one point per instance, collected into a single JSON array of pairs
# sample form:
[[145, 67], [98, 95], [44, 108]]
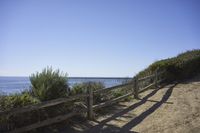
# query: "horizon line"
[[87, 77]]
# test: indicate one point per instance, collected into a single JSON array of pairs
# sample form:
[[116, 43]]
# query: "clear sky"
[[96, 37]]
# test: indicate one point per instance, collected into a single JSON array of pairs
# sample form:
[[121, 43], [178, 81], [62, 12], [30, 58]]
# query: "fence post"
[[156, 78], [136, 88], [90, 114]]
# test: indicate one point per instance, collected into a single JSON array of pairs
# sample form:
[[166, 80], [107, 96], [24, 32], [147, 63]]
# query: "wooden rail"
[[95, 107], [147, 87], [135, 91], [112, 88], [42, 105], [44, 123], [90, 107], [147, 77]]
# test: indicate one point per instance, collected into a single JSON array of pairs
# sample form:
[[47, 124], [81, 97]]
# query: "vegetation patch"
[[49, 84], [183, 66], [16, 101]]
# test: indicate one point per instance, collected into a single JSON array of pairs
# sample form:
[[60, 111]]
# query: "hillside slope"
[[183, 66], [177, 110]]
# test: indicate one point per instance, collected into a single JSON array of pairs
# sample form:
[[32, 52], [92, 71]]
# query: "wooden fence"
[[137, 86]]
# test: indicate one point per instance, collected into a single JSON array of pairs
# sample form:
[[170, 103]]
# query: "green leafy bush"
[[49, 84], [118, 92], [183, 66], [78, 89], [83, 87], [16, 100]]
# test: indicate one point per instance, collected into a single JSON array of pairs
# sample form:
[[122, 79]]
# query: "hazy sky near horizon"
[[94, 37]]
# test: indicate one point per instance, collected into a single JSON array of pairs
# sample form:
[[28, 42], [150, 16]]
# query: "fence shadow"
[[103, 127], [148, 112], [109, 128]]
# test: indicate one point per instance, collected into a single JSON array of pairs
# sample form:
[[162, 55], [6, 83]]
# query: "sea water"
[[10, 85]]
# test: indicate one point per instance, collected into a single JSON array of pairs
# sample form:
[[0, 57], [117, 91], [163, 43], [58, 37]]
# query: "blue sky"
[[96, 37]]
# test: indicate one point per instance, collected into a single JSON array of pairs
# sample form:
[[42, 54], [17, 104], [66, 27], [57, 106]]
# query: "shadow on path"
[[105, 128], [145, 114]]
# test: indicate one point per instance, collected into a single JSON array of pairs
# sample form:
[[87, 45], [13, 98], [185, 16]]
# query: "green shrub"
[[49, 84], [83, 87], [122, 91], [16, 100], [183, 66], [119, 92], [78, 89]]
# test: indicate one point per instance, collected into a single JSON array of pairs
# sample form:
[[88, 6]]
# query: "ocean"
[[10, 85]]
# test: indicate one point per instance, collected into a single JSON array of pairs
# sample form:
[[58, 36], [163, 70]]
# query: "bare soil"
[[171, 109]]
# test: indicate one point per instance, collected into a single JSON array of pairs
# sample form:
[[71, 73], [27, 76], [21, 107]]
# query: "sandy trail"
[[172, 109]]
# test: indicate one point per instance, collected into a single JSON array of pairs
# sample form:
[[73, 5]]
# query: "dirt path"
[[172, 109]]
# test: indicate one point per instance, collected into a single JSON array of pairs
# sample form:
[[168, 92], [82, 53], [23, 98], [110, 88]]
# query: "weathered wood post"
[[136, 88], [156, 78], [90, 114]]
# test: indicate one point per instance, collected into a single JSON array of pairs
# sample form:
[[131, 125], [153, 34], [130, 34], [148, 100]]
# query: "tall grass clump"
[[49, 84]]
